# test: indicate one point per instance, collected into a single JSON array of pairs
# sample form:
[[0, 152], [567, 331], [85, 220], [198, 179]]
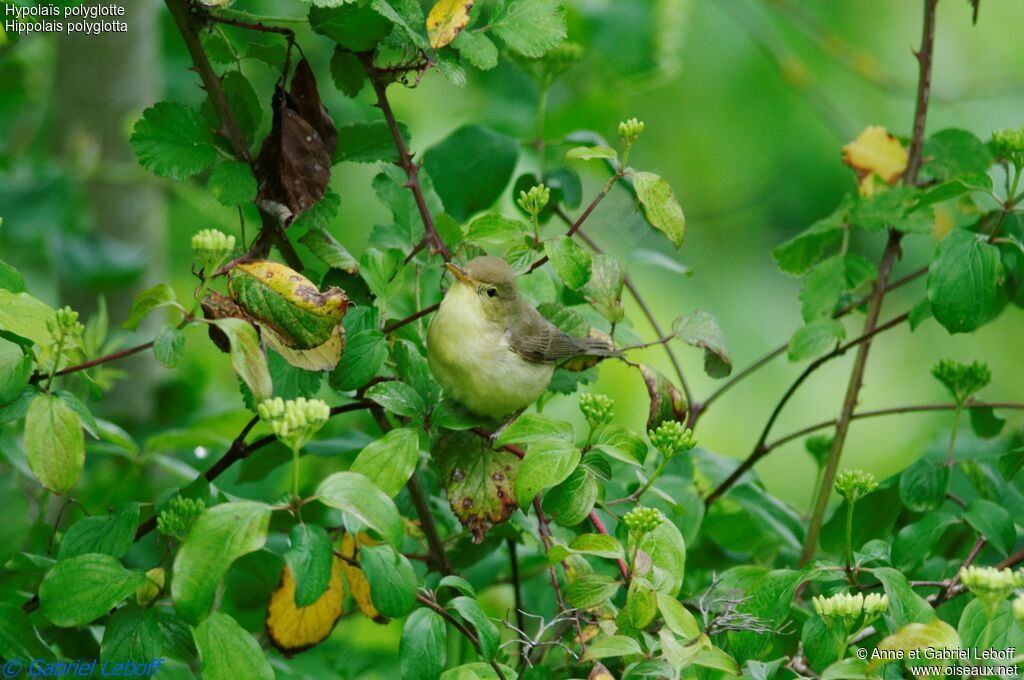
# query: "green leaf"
[[985, 423], [18, 637], [145, 302], [822, 288], [247, 357], [621, 444], [492, 229], [243, 102], [916, 541], [667, 550], [26, 317], [172, 140], [850, 668], [923, 485], [717, 659], [10, 278], [487, 632], [15, 370], [54, 443], [232, 183], [365, 354], [798, 254], [219, 537], [700, 329], [896, 208], [423, 648], [471, 168], [604, 289], [84, 588], [963, 281], [355, 26], [955, 152], [815, 338], [477, 49], [572, 263], [392, 580], [132, 634], [641, 604], [458, 583], [321, 215], [590, 591], [329, 251], [309, 557], [678, 618], [529, 27], [347, 71], [368, 143], [398, 398], [389, 462], [546, 464], [905, 606], [404, 15], [934, 635], [660, 206], [530, 428], [611, 646], [992, 521], [598, 545], [571, 501], [108, 534], [227, 651], [356, 495], [479, 480], [976, 632], [169, 345], [589, 153]]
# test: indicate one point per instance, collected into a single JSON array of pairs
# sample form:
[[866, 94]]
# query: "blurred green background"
[[747, 105]]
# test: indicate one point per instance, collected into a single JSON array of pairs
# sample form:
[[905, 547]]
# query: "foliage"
[[631, 551]]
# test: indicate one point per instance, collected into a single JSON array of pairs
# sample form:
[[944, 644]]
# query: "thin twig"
[[599, 526], [575, 226], [459, 626], [439, 557], [517, 591], [395, 325], [113, 356], [545, 536]]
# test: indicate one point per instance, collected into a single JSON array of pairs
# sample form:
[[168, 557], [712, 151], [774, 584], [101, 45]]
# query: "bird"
[[490, 350]]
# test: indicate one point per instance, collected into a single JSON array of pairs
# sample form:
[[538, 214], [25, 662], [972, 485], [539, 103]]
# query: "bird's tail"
[[598, 345]]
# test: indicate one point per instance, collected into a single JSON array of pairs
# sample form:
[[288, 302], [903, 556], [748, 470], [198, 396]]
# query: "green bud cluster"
[[295, 421], [177, 520], [64, 324], [840, 606], [641, 520], [672, 438], [1008, 144], [855, 484], [212, 248], [819, 446], [962, 380], [630, 130], [990, 585], [596, 408], [875, 604], [535, 200]]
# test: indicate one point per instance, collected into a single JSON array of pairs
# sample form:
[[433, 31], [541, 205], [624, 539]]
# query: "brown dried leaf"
[[667, 402]]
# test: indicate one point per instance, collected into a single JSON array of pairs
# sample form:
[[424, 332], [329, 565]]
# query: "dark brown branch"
[[517, 591], [760, 449], [405, 160], [599, 526], [438, 555], [544, 530], [575, 226], [395, 325], [892, 250], [463, 630], [113, 356]]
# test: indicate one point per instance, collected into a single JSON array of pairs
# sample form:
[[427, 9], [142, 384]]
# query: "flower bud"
[[181, 513], [64, 324], [962, 380], [988, 584], [819, 447], [641, 520], [1009, 145], [295, 421], [875, 604], [212, 248], [672, 438], [855, 484], [841, 606], [535, 200], [629, 130], [596, 408]]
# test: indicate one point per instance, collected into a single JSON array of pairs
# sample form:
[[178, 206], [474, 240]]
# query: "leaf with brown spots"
[[480, 482], [667, 402], [294, 163], [446, 19]]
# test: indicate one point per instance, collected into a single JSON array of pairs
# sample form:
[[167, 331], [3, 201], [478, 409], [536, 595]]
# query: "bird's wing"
[[537, 339]]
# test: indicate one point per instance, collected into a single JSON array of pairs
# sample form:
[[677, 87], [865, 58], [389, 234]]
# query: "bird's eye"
[[491, 292]]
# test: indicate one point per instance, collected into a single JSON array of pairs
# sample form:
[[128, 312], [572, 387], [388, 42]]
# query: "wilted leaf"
[[875, 151], [667, 402], [701, 330], [247, 357], [446, 20], [292, 628], [358, 586], [480, 482]]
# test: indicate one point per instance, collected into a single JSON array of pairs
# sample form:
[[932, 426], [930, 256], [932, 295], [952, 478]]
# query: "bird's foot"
[[493, 439]]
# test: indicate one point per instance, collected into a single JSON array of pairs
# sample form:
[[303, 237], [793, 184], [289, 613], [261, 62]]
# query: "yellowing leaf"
[[322, 358], [446, 19], [357, 583], [293, 629], [875, 152]]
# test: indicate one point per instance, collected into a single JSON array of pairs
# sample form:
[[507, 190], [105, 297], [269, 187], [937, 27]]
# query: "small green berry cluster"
[[855, 484], [641, 520], [181, 513], [962, 380], [989, 584], [630, 130], [1009, 145], [535, 200], [671, 438], [64, 324], [212, 248], [847, 608], [295, 421], [596, 408]]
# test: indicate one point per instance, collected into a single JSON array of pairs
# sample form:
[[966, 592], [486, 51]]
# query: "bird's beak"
[[458, 273]]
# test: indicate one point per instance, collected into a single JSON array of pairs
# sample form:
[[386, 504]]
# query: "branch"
[[395, 325], [517, 591], [892, 249], [113, 356], [760, 450], [575, 226], [544, 530], [438, 556], [405, 161], [599, 525], [459, 626]]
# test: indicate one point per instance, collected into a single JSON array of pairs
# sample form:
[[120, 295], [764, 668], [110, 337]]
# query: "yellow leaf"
[[446, 19], [357, 583], [294, 629], [876, 152], [599, 672]]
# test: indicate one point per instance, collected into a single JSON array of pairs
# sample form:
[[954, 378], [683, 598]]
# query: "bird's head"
[[489, 282]]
